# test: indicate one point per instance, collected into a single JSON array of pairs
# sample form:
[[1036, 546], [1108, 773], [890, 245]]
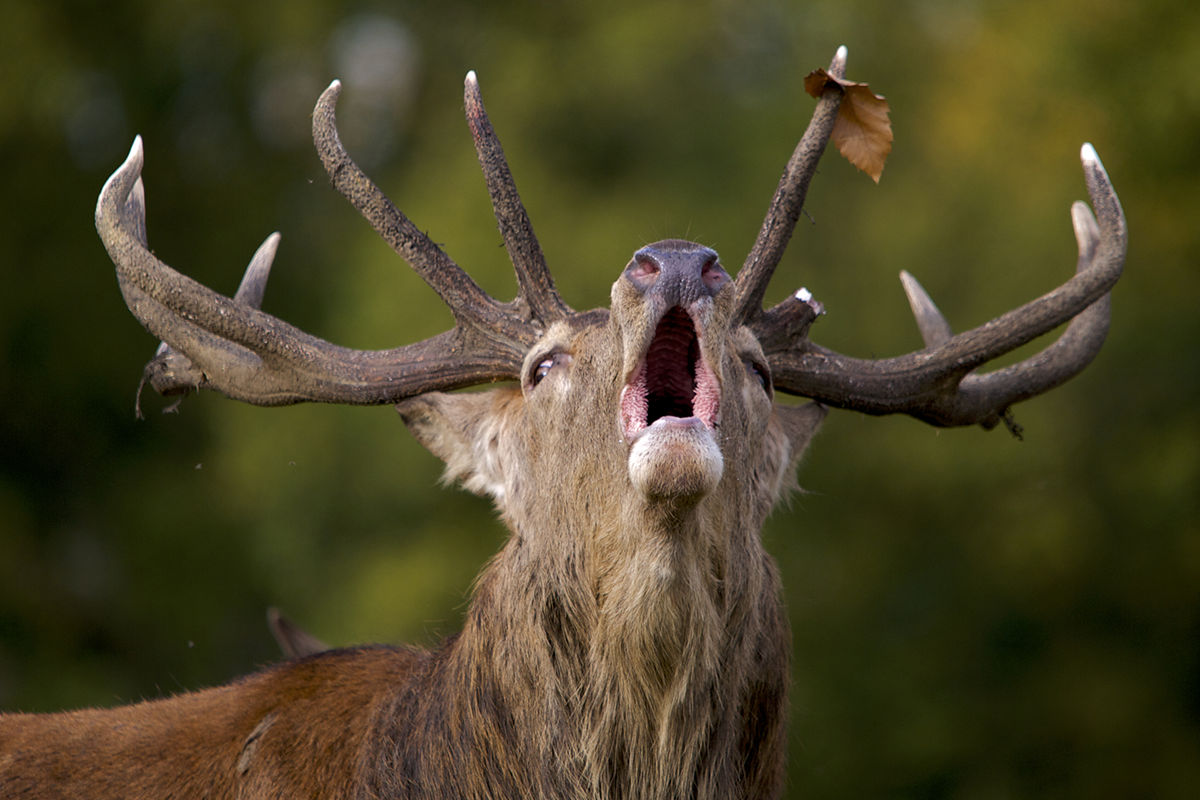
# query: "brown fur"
[[627, 642]]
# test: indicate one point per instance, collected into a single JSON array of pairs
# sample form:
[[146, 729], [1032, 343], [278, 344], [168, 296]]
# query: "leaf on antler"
[[862, 131]]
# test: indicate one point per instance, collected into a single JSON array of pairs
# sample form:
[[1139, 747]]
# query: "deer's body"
[[629, 640], [655, 665], [295, 730]]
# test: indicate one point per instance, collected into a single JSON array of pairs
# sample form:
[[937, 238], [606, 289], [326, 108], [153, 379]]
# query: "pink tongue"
[[635, 404]]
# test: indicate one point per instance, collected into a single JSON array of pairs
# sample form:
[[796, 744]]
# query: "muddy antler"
[[937, 384], [229, 345]]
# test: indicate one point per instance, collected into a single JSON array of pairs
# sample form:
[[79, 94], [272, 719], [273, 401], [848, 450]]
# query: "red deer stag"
[[629, 640]]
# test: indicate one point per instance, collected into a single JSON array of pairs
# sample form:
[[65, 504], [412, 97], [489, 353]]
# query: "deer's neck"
[[626, 648], [655, 657]]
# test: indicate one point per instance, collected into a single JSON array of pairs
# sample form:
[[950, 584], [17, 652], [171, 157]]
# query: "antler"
[[937, 384], [230, 345], [788, 202]]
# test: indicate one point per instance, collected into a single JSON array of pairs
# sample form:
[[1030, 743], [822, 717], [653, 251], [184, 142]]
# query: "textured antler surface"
[[937, 384], [788, 202], [230, 345], [533, 276]]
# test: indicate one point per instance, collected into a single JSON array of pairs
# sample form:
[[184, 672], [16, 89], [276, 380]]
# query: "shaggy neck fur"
[[640, 686]]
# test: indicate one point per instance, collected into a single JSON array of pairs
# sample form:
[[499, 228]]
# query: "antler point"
[[1091, 161], [137, 154], [329, 97], [934, 328], [1087, 231], [837, 68], [254, 281]]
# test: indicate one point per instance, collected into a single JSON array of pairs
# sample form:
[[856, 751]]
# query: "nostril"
[[643, 270]]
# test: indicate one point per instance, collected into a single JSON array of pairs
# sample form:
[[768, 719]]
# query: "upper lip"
[[672, 379]]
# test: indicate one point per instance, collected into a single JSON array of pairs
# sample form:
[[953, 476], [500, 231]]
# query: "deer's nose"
[[676, 273]]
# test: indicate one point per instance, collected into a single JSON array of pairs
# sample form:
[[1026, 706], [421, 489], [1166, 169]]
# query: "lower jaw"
[[675, 458]]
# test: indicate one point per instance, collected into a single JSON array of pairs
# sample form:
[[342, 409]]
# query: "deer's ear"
[[800, 424], [467, 431]]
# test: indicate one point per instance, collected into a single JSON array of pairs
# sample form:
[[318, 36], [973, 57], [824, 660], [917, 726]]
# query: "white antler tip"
[[136, 157], [254, 282], [471, 77], [336, 86], [132, 164], [1092, 162], [842, 53], [803, 295]]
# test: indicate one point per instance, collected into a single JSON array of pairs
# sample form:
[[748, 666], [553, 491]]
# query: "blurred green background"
[[974, 617]]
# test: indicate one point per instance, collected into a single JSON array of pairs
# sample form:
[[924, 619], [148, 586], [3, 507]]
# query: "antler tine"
[[533, 276], [170, 372], [470, 305], [788, 202], [1058, 363], [934, 384], [933, 326], [254, 281], [149, 285]]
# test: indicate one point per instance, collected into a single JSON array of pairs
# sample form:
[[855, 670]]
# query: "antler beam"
[[230, 345], [936, 384]]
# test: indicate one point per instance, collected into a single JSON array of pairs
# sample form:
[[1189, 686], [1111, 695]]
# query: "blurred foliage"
[[974, 617]]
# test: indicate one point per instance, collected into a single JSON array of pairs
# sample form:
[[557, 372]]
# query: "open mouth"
[[673, 381]]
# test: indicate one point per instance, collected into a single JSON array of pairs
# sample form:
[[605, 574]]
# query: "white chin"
[[676, 458]]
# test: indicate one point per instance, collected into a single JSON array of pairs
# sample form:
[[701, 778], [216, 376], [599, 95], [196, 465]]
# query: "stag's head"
[[659, 404], [662, 404]]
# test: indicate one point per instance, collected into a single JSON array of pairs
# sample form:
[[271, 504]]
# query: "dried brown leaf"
[[862, 131], [814, 82]]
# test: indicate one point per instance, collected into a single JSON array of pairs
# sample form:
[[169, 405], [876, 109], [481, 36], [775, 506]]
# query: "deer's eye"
[[758, 373], [546, 366]]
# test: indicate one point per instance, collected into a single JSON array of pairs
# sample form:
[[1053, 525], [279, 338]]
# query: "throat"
[[659, 593], [651, 692]]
